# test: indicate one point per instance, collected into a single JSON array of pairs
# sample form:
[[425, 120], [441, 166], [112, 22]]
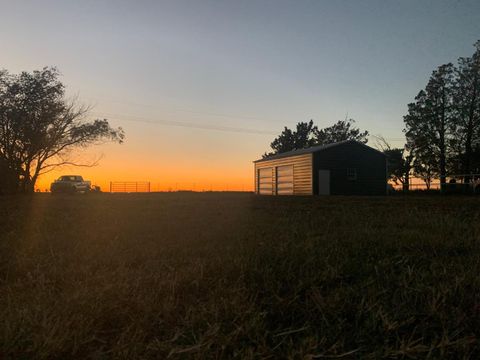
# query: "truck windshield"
[[70, 178]]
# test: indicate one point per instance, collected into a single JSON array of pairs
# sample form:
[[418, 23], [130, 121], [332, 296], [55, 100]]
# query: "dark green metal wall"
[[370, 167]]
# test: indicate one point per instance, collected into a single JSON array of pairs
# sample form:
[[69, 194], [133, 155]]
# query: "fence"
[[453, 182], [129, 186]]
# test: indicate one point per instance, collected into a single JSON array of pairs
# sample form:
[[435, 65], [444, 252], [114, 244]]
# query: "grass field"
[[238, 276]]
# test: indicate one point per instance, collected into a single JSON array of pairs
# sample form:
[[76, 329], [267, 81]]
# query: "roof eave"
[[313, 149]]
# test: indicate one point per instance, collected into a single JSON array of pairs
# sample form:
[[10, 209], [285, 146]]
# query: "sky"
[[202, 87]]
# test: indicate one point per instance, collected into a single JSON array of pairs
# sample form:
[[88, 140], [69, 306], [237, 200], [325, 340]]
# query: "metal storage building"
[[344, 168]]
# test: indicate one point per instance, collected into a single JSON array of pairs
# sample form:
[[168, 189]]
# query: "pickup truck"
[[70, 184]]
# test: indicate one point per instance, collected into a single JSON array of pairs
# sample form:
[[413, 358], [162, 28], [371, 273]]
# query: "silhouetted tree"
[[289, 140], [283, 143], [304, 135], [399, 162], [430, 122], [39, 128], [307, 134], [425, 167], [342, 130], [467, 106], [475, 160], [8, 178]]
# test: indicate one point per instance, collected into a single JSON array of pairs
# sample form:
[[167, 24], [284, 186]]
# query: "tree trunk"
[[428, 182], [26, 185], [443, 171], [442, 148], [406, 181], [9, 180], [468, 153], [34, 181], [469, 137]]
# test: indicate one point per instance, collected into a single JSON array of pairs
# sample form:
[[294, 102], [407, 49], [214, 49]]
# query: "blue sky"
[[254, 64]]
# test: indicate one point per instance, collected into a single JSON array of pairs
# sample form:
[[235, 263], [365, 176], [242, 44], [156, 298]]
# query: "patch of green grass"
[[239, 276]]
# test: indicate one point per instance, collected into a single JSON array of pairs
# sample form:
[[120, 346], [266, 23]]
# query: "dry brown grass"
[[239, 276]]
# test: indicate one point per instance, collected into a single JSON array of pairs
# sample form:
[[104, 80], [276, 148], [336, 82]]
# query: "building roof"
[[314, 149]]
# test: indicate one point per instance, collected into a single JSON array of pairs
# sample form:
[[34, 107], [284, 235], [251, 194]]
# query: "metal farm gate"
[[129, 186]]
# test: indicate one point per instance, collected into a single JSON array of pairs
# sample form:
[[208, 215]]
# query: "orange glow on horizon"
[[165, 179], [156, 185], [170, 159]]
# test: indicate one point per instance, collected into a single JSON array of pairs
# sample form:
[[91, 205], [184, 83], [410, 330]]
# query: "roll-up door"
[[285, 180], [265, 181]]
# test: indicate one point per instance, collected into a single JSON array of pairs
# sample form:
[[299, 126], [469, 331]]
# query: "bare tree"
[[399, 162]]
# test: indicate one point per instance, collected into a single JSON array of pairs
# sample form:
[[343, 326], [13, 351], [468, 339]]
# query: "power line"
[[187, 124], [201, 126], [182, 110], [196, 125]]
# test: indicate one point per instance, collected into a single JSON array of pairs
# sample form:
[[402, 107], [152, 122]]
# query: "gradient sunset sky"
[[233, 65]]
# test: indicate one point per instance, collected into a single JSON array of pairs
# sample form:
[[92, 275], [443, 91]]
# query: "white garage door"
[[265, 181], [285, 180]]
